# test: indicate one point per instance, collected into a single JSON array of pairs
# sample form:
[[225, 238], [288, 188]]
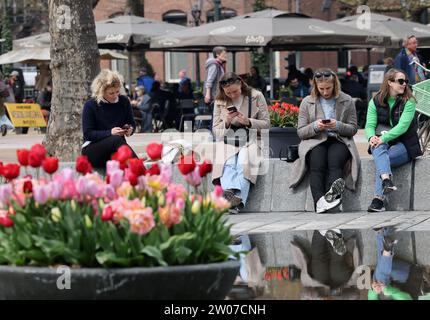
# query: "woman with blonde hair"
[[326, 126], [391, 130], [106, 119]]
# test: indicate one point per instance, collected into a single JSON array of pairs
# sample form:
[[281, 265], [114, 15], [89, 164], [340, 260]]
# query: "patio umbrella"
[[39, 54], [270, 28], [273, 29], [131, 32], [395, 28]]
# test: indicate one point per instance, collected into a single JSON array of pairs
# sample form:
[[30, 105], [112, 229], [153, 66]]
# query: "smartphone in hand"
[[231, 109], [126, 127], [325, 121]]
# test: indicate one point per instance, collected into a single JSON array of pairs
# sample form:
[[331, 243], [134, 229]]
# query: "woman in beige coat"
[[238, 108], [326, 126]]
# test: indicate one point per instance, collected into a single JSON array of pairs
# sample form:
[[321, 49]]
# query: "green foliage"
[[78, 237]]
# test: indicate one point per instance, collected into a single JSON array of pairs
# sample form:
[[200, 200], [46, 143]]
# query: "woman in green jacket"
[[391, 130]]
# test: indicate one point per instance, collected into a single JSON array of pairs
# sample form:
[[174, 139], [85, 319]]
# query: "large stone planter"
[[206, 281], [280, 139]]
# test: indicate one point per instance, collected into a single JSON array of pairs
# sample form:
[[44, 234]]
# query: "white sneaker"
[[324, 206]]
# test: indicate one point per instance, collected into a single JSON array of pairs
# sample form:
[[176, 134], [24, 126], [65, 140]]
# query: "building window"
[[175, 61], [225, 14]]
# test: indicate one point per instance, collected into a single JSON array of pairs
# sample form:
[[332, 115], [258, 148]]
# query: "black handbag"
[[292, 153], [241, 134]]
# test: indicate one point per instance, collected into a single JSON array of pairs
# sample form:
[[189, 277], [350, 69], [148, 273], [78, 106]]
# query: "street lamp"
[[196, 13]]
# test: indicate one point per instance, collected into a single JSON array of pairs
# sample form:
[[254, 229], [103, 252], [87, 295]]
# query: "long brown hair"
[[384, 92], [333, 79], [246, 90]]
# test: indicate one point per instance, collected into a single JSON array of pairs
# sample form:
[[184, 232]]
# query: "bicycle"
[[422, 94]]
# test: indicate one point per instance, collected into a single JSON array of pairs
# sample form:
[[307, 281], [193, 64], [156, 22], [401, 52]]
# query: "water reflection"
[[377, 264]]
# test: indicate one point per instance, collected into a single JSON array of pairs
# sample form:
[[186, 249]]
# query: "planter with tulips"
[[283, 131], [134, 234]]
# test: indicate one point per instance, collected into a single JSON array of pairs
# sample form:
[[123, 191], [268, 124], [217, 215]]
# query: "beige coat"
[[259, 120], [310, 111]]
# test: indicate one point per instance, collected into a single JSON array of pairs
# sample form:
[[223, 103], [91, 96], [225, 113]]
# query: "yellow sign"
[[25, 114]]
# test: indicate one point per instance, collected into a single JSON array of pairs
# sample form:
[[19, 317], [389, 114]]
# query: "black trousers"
[[100, 152], [328, 267], [326, 162]]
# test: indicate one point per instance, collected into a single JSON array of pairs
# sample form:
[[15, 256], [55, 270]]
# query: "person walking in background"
[[107, 119], [327, 124], [215, 69], [391, 130], [404, 60]]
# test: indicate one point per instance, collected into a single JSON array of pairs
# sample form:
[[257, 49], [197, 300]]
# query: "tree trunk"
[[75, 61]]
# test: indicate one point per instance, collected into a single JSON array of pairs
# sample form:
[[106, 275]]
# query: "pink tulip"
[[166, 174], [55, 190], [111, 165], [193, 178], [41, 194], [218, 192], [180, 204], [110, 192], [116, 178], [64, 175], [5, 193]]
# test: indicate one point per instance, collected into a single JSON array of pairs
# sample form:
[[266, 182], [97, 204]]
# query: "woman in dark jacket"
[[391, 130]]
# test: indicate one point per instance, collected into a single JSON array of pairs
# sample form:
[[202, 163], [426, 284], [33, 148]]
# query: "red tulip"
[[136, 166], [83, 165], [205, 168], [1, 168], [154, 170], [11, 171], [124, 153], [154, 151], [28, 186], [39, 150], [122, 164], [50, 165], [130, 177], [22, 155], [34, 159], [6, 221], [186, 164], [107, 213]]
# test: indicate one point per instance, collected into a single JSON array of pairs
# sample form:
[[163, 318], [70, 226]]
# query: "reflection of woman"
[[391, 131], [393, 278], [239, 164], [326, 126], [105, 119], [328, 272]]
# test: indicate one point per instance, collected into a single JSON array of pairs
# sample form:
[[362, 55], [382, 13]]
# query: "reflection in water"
[[336, 264]]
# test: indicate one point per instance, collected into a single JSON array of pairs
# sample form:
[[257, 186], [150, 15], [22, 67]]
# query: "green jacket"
[[395, 132], [393, 292]]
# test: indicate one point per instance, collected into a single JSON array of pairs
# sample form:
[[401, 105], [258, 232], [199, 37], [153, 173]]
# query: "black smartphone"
[[325, 121], [232, 109], [126, 127]]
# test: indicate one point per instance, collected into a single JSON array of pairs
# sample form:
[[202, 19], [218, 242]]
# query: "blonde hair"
[[332, 79], [106, 79]]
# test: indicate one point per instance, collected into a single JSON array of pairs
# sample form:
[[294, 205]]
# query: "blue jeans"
[[387, 268], [232, 176], [387, 157]]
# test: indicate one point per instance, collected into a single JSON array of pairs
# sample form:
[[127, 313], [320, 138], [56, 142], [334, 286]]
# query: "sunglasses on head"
[[401, 81], [229, 81], [325, 74]]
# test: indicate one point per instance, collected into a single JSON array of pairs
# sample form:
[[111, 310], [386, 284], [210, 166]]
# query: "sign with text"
[[25, 114]]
